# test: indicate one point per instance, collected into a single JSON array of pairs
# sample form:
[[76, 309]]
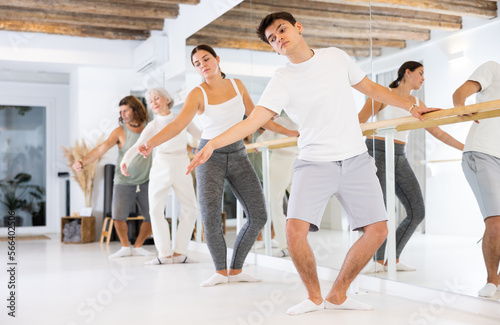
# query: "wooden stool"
[[224, 217], [107, 227]]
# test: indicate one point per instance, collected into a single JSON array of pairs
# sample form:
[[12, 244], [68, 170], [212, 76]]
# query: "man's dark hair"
[[269, 19]]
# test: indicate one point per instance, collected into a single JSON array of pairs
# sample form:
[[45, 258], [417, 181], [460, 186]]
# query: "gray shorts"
[[482, 171], [126, 196], [353, 181]]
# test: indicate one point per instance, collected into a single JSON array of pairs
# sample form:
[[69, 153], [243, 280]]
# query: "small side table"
[[87, 229]]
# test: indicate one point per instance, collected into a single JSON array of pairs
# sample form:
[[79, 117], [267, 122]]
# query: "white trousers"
[[170, 171], [280, 177]]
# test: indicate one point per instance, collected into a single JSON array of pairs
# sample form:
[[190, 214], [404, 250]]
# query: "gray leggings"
[[407, 190], [230, 163]]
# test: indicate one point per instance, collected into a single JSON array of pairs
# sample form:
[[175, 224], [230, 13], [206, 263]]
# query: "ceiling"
[[341, 23]]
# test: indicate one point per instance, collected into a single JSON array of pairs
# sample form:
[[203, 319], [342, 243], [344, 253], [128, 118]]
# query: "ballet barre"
[[387, 128], [264, 147]]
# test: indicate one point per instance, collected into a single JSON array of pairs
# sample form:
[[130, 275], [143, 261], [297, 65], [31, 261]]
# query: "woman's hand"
[[201, 157], [124, 169], [145, 149], [77, 166]]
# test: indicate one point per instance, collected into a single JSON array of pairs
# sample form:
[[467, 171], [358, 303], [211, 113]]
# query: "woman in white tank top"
[[410, 77], [221, 103]]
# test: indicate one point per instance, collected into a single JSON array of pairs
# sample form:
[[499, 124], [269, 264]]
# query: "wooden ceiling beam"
[[232, 43], [261, 46], [356, 9], [226, 28], [182, 2], [477, 8], [53, 17], [133, 9], [315, 16], [326, 41], [73, 30]]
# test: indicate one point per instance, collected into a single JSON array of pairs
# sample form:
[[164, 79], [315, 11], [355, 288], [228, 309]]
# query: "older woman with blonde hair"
[[168, 171]]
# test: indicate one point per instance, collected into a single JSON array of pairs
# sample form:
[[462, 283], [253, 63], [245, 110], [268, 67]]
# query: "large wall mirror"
[[450, 43], [449, 40]]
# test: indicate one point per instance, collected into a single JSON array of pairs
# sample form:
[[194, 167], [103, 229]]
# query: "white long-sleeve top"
[[176, 145]]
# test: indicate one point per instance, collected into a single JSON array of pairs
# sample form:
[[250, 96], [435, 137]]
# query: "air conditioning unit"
[[151, 53]]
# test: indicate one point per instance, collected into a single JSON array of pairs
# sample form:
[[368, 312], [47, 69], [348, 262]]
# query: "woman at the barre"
[[410, 77], [168, 171], [221, 103]]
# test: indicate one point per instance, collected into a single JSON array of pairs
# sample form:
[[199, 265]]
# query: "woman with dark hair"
[[410, 77], [127, 191], [220, 104]]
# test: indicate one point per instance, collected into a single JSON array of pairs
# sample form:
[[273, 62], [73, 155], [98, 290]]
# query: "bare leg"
[[303, 257], [122, 231], [144, 232], [491, 248], [357, 257]]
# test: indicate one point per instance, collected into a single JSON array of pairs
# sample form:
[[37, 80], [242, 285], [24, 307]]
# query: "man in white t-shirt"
[[314, 89], [481, 165]]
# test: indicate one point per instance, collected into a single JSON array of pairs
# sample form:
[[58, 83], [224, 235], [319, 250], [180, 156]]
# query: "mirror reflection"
[[450, 230], [448, 46]]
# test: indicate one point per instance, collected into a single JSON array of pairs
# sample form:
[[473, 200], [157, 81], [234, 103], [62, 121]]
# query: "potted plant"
[[15, 195], [36, 206]]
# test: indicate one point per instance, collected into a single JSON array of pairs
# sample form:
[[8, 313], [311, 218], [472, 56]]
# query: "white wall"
[[450, 205], [95, 94], [57, 53]]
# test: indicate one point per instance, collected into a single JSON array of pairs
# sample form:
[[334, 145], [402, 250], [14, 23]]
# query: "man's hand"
[[77, 166], [293, 133], [145, 149], [201, 157], [417, 111], [124, 169]]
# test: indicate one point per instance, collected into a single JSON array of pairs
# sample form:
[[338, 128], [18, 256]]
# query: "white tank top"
[[217, 119], [391, 112]]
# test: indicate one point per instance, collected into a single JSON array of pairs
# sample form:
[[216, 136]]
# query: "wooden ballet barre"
[[273, 144], [446, 116], [425, 162]]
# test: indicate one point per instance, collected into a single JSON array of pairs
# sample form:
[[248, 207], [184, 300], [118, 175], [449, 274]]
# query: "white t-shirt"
[[176, 145], [317, 96], [485, 136]]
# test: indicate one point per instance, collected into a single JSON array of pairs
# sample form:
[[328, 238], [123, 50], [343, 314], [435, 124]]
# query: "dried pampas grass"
[[85, 177]]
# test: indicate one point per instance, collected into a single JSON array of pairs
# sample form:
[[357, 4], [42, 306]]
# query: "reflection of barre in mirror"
[[408, 191], [277, 178], [480, 111], [443, 117]]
